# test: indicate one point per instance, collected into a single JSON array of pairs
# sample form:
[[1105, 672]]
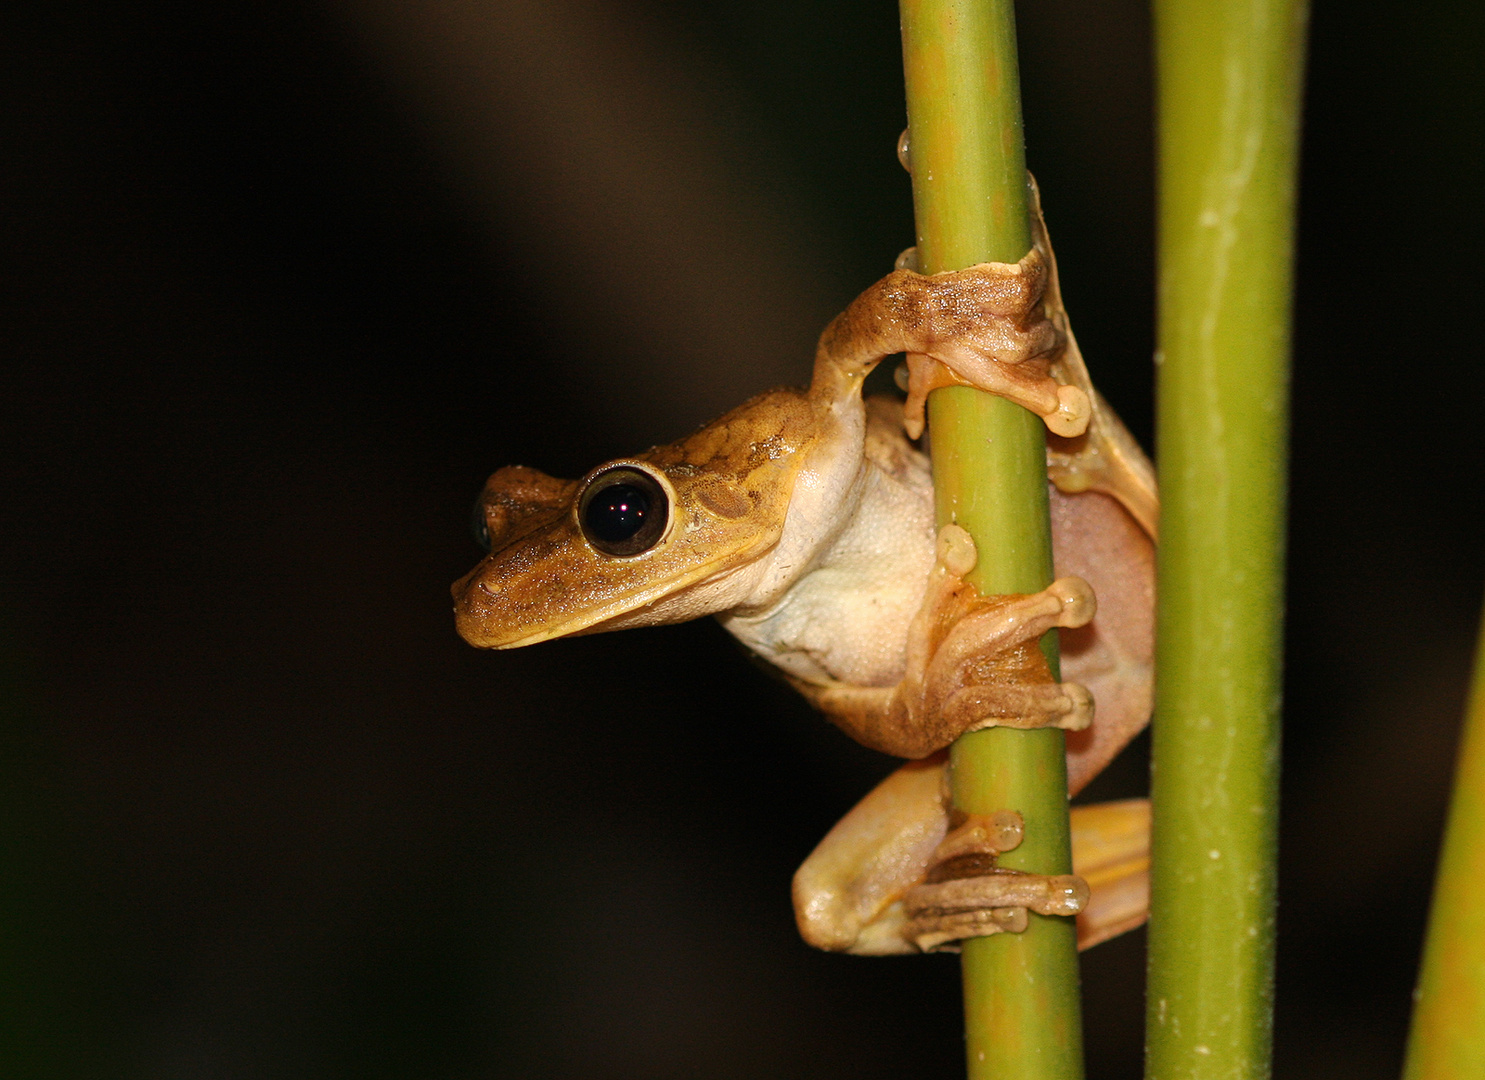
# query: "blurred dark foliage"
[[283, 282]]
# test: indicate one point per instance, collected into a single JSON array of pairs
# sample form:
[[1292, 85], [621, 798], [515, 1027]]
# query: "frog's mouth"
[[552, 583], [491, 619], [494, 611]]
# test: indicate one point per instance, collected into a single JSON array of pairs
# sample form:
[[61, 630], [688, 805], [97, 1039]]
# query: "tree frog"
[[804, 521]]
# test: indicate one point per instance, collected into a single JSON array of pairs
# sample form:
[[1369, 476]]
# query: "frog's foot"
[[972, 662], [965, 894], [985, 326], [975, 661], [853, 892], [1063, 407], [991, 358], [989, 670]]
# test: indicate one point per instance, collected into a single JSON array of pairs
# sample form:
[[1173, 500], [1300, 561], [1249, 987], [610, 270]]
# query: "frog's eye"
[[624, 511], [479, 525]]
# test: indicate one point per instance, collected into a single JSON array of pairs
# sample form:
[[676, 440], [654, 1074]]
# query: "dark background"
[[285, 281]]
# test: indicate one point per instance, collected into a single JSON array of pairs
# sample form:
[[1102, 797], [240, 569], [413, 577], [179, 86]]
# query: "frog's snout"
[[476, 609], [460, 587]]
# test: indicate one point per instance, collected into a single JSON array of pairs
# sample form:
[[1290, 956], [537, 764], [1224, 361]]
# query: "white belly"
[[847, 618]]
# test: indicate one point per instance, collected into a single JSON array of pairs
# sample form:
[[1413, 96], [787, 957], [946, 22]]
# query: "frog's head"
[[638, 540]]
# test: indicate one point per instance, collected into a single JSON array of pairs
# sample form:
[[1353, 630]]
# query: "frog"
[[804, 521]]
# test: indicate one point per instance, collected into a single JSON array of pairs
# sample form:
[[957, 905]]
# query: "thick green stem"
[[1229, 77], [1447, 1041], [970, 198]]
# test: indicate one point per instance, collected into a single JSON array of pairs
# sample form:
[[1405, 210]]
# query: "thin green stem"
[[970, 198], [1229, 77], [1447, 1041]]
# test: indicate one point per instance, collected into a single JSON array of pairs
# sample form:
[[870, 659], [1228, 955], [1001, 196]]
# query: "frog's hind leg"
[[848, 893], [891, 878], [1111, 852], [965, 894]]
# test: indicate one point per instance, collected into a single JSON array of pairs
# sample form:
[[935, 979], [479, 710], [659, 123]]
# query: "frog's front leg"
[[893, 877], [987, 324], [972, 662]]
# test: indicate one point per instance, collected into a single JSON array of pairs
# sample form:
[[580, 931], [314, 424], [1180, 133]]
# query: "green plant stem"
[[1447, 1040], [970, 199], [1229, 76]]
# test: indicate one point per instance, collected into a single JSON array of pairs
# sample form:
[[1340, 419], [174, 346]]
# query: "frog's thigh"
[[1111, 852], [848, 894]]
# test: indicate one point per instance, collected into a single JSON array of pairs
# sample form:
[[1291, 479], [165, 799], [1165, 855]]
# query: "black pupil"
[[479, 526], [617, 512]]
